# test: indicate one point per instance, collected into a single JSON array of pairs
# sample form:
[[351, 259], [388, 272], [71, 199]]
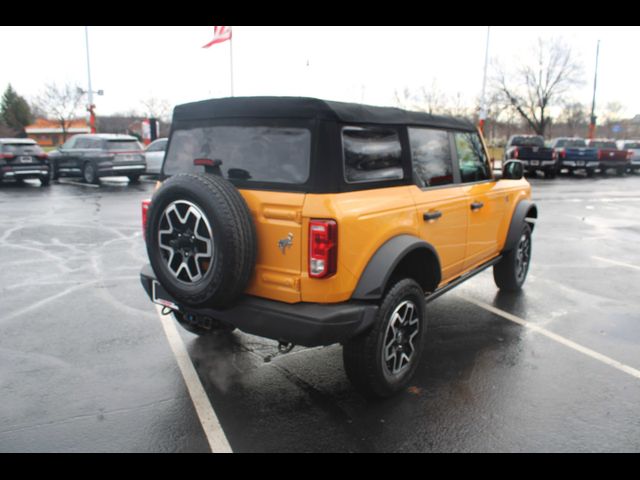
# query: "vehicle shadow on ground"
[[463, 344]]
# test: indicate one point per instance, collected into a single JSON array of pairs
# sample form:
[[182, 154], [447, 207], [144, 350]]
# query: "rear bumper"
[[24, 171], [579, 163], [614, 163], [115, 169], [532, 164], [307, 324]]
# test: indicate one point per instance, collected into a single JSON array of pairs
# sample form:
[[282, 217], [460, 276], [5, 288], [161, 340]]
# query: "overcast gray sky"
[[339, 63]]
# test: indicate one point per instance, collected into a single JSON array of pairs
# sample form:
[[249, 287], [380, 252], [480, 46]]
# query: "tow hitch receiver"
[[283, 348]]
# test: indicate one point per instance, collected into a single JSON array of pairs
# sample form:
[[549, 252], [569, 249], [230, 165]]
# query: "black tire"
[[363, 356], [44, 181], [134, 178], [510, 273], [89, 173], [203, 326], [620, 171], [224, 274], [550, 174], [591, 172], [53, 171]]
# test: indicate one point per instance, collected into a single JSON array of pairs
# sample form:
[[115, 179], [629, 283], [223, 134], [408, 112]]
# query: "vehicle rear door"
[[440, 199], [83, 151], [267, 161], [486, 200], [66, 161]]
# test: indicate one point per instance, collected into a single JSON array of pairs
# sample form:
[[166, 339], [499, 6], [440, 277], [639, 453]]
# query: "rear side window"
[[82, 143], [431, 157], [471, 157], [371, 154], [245, 153], [159, 146], [634, 145]]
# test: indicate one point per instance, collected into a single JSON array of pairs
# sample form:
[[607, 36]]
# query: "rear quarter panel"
[[366, 219]]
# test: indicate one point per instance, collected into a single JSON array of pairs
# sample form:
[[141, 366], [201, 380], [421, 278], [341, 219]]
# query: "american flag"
[[220, 34]]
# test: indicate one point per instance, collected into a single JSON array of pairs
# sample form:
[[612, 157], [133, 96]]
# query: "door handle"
[[432, 215], [476, 206]]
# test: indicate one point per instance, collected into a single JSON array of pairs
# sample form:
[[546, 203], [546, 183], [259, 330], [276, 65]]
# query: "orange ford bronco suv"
[[313, 222]]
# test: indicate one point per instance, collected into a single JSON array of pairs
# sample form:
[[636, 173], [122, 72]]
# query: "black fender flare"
[[525, 211], [377, 273]]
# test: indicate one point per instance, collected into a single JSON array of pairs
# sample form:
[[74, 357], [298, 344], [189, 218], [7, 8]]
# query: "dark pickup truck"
[[609, 156], [573, 154], [531, 151]]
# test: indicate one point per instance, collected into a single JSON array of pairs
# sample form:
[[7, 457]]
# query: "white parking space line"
[[213, 430], [78, 184], [616, 262], [558, 338]]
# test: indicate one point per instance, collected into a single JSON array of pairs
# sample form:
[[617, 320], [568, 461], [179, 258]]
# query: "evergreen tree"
[[15, 111]]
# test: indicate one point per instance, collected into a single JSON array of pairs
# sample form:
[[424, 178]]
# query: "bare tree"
[[457, 107], [574, 116], [533, 88], [61, 103], [430, 99], [157, 108]]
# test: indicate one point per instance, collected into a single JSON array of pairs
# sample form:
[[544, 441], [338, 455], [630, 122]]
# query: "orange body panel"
[[366, 220]]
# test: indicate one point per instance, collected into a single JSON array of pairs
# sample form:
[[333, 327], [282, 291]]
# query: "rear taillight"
[[563, 153], [516, 152], [42, 156], [629, 154], [7, 156], [599, 154], [323, 248], [145, 212]]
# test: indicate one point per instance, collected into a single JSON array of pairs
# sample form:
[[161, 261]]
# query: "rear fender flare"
[[376, 275]]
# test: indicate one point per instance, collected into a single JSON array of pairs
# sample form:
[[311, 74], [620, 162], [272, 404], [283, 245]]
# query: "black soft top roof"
[[303, 107]]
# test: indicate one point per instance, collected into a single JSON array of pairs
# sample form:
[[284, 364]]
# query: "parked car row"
[[89, 156], [573, 154]]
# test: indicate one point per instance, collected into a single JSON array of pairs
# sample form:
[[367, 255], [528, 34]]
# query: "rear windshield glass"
[[599, 144], [248, 153], [123, 145], [22, 149], [632, 145], [528, 142], [579, 143]]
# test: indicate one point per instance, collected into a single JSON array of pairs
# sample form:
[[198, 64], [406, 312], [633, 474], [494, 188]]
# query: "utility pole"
[[483, 100], [91, 107], [592, 123]]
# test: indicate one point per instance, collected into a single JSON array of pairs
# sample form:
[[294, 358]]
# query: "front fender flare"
[[525, 211]]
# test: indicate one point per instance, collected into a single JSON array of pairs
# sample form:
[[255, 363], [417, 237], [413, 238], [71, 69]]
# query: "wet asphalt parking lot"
[[86, 364]]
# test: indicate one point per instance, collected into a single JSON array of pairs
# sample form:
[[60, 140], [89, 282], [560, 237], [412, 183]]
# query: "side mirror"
[[512, 170]]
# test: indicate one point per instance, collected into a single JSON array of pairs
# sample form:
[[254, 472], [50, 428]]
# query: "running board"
[[454, 283]]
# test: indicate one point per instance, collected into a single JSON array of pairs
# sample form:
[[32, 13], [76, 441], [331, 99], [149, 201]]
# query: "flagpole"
[[231, 62], [483, 100]]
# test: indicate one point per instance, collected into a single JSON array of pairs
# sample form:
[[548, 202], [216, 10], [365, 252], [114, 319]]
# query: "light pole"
[[592, 123], [483, 101], [90, 107]]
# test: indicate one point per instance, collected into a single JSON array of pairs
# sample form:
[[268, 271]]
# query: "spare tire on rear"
[[201, 239]]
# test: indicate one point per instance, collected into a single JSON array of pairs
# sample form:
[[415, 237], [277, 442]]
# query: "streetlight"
[[91, 107]]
